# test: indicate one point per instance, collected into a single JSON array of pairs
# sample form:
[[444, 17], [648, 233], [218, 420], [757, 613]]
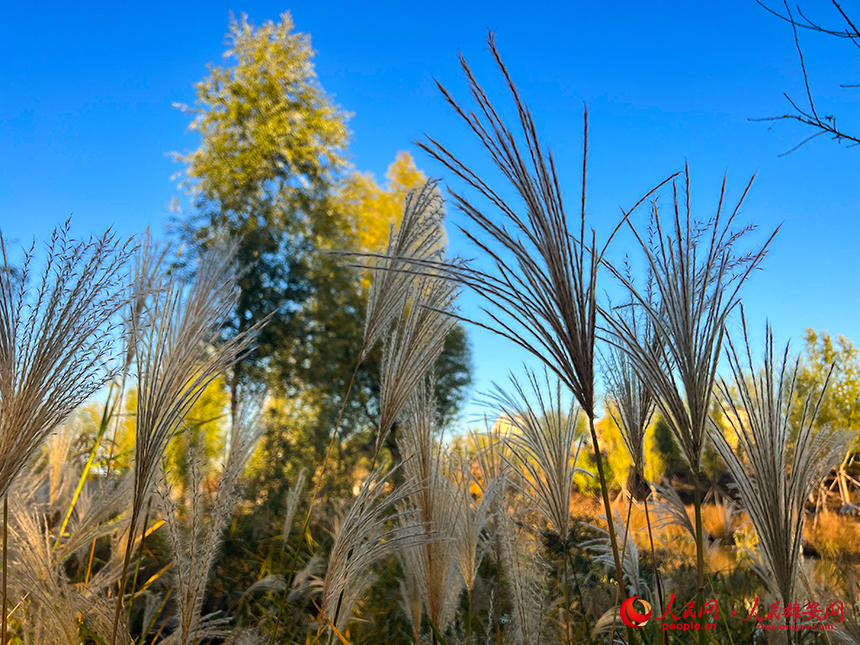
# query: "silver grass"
[[603, 554], [545, 440], [419, 237], [305, 582], [195, 550], [494, 464], [606, 625], [433, 505], [525, 574], [541, 282], [291, 503], [60, 478], [410, 585], [45, 603], [669, 510], [629, 402], [472, 537], [57, 340], [370, 531], [211, 626], [697, 275], [249, 636], [414, 346], [178, 353], [784, 463]]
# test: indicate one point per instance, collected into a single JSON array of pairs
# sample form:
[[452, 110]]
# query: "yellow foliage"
[[371, 210]]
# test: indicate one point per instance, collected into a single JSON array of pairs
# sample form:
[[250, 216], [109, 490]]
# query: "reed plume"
[[434, 507], [784, 463], [56, 346], [370, 531], [57, 341], [195, 549], [420, 237], [414, 346], [540, 284], [178, 353], [697, 274], [545, 441]]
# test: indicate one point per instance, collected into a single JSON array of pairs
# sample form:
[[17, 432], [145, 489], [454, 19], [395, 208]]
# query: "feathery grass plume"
[[433, 564], [603, 551], [493, 464], [544, 438], [410, 595], [669, 509], [542, 288], [697, 275], [472, 536], [545, 441], [629, 402], [194, 550], [56, 343], [414, 346], [305, 582], [46, 603], [417, 342], [525, 576], [57, 340], [178, 354], [291, 503], [370, 531], [784, 463], [420, 237]]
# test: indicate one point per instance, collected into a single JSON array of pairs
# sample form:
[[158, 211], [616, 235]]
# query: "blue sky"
[[86, 94]]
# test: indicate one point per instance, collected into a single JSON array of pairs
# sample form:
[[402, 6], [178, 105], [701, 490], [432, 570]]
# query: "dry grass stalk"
[[697, 275], [178, 353], [370, 531], [542, 287], [48, 606], [195, 549], [545, 440], [434, 504], [784, 463], [56, 342], [525, 575], [56, 345], [603, 551], [291, 503], [420, 237], [629, 402], [414, 346], [472, 536]]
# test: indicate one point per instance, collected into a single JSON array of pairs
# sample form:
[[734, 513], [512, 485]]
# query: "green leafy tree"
[[271, 151], [841, 404], [833, 361]]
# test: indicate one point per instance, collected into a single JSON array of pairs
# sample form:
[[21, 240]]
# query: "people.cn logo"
[[632, 618]]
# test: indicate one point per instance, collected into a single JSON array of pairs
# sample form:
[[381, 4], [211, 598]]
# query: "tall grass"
[[698, 272], [783, 463], [56, 346], [177, 354]]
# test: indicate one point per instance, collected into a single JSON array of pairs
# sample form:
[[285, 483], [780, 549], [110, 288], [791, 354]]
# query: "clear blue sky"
[[86, 94]]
